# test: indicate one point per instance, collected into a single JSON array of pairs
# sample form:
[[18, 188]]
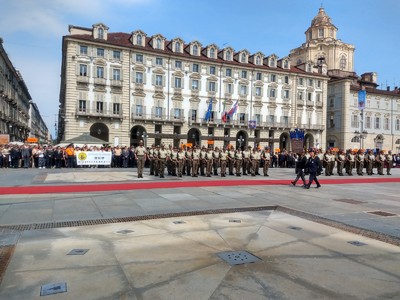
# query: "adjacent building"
[[348, 127], [19, 116], [127, 87]]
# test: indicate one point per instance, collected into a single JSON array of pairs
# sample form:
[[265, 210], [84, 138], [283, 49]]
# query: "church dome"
[[322, 19]]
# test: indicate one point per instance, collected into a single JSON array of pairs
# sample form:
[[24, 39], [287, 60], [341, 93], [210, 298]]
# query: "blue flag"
[[209, 111], [361, 99]]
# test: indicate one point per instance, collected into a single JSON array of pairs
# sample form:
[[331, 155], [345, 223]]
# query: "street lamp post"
[[240, 141], [145, 136]]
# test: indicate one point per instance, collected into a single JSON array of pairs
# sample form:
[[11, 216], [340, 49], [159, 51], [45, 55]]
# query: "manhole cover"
[[382, 213], [78, 252], [235, 221], [351, 201], [294, 227], [53, 288], [179, 222], [357, 243], [125, 231], [238, 257]]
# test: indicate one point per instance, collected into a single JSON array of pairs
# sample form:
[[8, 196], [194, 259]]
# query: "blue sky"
[[32, 31]]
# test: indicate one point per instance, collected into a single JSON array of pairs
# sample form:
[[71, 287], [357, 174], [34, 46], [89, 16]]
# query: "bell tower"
[[323, 48]]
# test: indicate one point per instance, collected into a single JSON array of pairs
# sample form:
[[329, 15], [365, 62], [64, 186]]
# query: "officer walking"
[[313, 164]]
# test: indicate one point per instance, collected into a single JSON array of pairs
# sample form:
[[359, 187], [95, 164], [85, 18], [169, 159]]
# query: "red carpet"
[[102, 187]]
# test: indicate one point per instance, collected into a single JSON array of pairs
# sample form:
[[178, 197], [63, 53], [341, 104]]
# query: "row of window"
[[99, 52], [177, 113], [384, 104], [355, 123], [212, 51], [244, 74], [99, 107], [212, 70]]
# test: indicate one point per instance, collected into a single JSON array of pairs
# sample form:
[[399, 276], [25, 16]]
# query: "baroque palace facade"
[[127, 87], [375, 127]]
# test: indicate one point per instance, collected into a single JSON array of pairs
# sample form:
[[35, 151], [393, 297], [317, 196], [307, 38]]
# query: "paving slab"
[[160, 259]]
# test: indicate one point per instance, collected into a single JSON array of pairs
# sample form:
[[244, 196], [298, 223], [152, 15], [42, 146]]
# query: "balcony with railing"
[[155, 116], [100, 113], [100, 81], [82, 79], [117, 83]]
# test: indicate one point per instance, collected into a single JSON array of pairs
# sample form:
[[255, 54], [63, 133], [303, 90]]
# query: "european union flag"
[[209, 111]]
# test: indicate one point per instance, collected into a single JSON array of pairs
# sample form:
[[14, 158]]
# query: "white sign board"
[[86, 158]]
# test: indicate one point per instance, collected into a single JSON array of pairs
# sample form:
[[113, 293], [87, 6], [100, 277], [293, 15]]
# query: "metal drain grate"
[[238, 257], [78, 252], [50, 225], [382, 213], [125, 231], [53, 288], [350, 201], [179, 222], [357, 243]]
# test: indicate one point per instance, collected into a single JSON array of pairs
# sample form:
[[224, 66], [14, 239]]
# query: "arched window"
[[177, 47], [212, 53], [139, 39], [355, 139], [158, 43], [258, 60], [228, 55], [243, 59], [299, 61], [195, 49], [272, 62], [320, 32], [100, 32], [343, 63], [285, 64]]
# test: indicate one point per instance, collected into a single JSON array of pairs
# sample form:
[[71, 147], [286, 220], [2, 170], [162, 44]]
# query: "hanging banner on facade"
[[252, 124], [4, 139], [362, 95], [86, 158], [297, 140]]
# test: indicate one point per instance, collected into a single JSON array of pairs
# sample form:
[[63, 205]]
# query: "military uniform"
[[389, 162], [208, 157], [223, 158], [359, 163], [349, 163], [238, 161], [340, 159], [162, 158], [370, 160], [266, 157], [188, 161], [140, 156], [202, 161], [215, 160], [173, 158], [255, 161], [246, 161], [195, 162], [231, 160], [380, 160], [168, 162], [181, 162]]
